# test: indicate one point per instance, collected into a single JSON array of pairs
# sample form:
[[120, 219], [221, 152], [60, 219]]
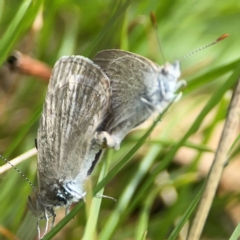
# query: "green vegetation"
[[148, 176]]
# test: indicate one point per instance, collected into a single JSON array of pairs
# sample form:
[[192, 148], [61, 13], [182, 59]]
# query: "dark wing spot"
[[97, 157], [36, 144]]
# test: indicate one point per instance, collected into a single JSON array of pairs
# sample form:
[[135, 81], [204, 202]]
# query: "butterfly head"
[[171, 70]]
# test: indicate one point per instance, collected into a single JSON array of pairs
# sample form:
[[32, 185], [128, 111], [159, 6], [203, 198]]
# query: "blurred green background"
[[154, 189]]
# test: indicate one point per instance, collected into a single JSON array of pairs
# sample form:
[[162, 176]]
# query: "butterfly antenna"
[[23, 175], [105, 196], [206, 46], [155, 27]]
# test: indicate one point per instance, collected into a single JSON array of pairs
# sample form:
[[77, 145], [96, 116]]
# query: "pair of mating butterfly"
[[90, 106]]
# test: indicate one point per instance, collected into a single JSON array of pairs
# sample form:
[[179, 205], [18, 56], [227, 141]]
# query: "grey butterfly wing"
[[76, 102], [139, 87]]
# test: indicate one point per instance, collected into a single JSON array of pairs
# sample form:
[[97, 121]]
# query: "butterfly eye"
[[165, 71]]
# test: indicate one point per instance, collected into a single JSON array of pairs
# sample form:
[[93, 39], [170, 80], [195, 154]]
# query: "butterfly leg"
[[53, 215], [38, 228], [180, 84], [151, 107], [105, 140], [47, 221], [67, 210]]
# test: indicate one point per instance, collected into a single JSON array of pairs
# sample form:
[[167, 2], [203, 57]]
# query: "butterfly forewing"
[[76, 102]]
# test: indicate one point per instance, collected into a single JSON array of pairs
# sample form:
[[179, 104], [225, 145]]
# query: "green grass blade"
[[185, 216], [24, 131], [210, 76], [22, 20], [91, 225], [236, 234], [234, 144], [141, 228]]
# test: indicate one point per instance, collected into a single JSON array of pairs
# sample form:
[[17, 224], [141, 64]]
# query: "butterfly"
[[139, 88], [68, 142]]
